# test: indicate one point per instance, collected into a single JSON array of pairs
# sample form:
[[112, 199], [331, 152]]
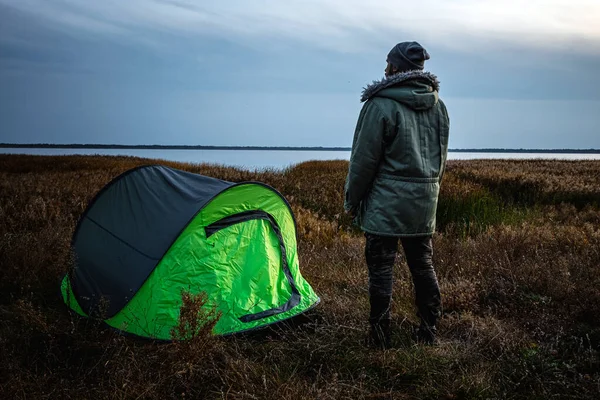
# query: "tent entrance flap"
[[253, 215]]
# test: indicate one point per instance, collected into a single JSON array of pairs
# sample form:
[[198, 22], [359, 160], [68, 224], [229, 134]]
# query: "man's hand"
[[351, 212]]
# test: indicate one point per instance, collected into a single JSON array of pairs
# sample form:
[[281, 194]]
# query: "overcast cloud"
[[290, 72], [550, 24]]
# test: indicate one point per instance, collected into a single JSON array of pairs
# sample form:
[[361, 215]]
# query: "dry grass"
[[537, 181], [518, 258]]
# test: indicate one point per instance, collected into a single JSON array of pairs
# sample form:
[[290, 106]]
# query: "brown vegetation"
[[518, 258]]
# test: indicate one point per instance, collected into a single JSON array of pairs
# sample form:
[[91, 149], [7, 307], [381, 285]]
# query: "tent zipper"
[[235, 219], [295, 297]]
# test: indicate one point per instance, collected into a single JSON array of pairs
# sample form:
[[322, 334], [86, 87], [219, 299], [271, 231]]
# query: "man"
[[396, 167]]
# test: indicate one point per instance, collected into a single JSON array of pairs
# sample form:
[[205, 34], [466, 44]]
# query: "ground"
[[517, 254]]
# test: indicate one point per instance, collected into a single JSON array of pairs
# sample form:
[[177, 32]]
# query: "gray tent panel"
[[130, 225]]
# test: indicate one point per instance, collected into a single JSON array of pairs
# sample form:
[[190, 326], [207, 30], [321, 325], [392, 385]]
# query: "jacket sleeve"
[[445, 155], [367, 149]]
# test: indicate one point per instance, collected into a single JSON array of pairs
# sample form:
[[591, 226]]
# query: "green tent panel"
[[155, 232]]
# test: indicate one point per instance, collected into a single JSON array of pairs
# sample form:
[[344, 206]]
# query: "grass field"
[[517, 254]]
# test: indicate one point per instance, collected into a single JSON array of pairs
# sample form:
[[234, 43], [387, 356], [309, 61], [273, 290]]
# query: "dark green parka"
[[398, 156]]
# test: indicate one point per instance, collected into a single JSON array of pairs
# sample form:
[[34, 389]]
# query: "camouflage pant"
[[381, 253]]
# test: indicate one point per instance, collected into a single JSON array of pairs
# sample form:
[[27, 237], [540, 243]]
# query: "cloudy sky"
[[518, 74]]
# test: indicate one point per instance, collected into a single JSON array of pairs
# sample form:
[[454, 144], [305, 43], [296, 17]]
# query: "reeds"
[[517, 256]]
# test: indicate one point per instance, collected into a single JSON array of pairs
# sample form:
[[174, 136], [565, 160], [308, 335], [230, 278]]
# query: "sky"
[[514, 74]]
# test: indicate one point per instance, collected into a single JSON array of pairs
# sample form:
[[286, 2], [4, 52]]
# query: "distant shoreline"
[[277, 148]]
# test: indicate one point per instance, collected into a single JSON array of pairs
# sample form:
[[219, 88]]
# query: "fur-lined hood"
[[375, 87]]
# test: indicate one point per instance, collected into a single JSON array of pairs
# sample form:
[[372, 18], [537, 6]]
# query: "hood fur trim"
[[372, 89]]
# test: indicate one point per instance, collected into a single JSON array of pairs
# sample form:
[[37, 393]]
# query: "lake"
[[259, 159]]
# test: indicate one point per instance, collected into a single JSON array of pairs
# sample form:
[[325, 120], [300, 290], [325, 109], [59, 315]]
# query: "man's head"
[[406, 56]]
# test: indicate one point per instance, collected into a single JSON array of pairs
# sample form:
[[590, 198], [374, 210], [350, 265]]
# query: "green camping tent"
[[155, 232]]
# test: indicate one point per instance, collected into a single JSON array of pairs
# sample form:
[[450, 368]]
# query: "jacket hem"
[[399, 235]]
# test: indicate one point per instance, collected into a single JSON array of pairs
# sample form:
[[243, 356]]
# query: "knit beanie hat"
[[407, 56]]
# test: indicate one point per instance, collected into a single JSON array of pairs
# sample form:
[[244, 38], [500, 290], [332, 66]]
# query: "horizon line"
[[255, 147]]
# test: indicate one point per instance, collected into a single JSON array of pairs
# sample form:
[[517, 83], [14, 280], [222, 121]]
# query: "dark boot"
[[426, 334], [379, 320], [380, 335]]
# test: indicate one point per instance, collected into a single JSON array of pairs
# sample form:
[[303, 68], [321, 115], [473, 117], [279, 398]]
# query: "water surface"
[[260, 159]]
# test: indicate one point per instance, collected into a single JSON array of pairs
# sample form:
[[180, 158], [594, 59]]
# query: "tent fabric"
[[235, 243], [123, 219]]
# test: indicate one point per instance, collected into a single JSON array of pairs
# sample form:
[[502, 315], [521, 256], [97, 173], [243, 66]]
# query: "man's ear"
[[389, 70]]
